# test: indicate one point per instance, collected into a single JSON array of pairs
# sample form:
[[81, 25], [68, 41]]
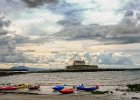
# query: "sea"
[[76, 78]]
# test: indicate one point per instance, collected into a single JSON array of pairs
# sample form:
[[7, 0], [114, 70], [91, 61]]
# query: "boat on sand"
[[58, 87], [81, 87], [21, 86], [67, 91], [8, 88], [33, 87]]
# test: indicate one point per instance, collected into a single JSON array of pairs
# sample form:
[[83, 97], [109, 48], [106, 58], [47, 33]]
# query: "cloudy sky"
[[34, 30]]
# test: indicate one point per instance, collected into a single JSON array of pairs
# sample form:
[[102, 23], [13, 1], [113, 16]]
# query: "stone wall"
[[79, 67]]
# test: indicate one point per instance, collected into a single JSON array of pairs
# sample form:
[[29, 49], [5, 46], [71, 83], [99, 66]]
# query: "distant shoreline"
[[6, 72]]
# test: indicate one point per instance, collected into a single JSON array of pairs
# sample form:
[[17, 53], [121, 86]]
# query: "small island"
[[81, 65]]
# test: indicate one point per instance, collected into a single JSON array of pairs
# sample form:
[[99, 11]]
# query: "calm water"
[[87, 78]]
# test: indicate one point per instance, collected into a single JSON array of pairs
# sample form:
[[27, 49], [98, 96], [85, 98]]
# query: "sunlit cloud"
[[101, 18], [108, 4], [37, 19], [101, 57], [83, 4], [100, 11]]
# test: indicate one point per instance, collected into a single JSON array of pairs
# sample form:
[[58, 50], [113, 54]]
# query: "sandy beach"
[[60, 97], [107, 80]]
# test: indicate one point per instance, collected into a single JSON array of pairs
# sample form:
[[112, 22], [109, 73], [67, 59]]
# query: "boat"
[[36, 87], [67, 91], [87, 88], [58, 87], [8, 88], [21, 86]]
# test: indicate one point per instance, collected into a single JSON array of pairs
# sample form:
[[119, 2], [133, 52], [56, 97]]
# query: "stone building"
[[78, 62], [81, 65]]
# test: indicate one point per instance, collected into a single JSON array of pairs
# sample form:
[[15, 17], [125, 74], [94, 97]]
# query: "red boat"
[[8, 88], [67, 90]]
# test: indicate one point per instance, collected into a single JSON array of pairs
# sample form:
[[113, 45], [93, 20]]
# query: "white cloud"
[[37, 21], [102, 57], [82, 3], [97, 4], [108, 4], [103, 12], [114, 58], [101, 18]]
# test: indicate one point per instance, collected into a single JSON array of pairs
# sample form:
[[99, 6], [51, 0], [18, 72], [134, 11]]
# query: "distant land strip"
[[5, 72], [91, 70]]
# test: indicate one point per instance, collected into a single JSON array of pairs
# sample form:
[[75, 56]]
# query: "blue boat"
[[81, 87], [58, 88]]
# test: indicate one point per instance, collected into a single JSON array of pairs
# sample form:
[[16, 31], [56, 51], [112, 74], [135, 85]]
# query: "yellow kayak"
[[21, 86]]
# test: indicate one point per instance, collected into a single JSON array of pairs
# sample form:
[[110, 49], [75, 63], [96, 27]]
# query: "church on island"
[[81, 65]]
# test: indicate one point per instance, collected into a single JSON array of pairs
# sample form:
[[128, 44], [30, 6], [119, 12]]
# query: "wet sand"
[[60, 97]]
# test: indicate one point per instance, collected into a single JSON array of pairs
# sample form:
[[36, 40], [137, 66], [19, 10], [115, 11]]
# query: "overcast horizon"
[[51, 31]]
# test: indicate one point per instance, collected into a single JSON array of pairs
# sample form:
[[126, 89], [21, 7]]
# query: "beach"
[[114, 81], [61, 97]]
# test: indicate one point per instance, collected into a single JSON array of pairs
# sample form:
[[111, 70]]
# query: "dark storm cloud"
[[26, 39], [81, 32], [8, 52], [127, 31], [3, 23], [129, 13], [123, 33], [74, 30], [133, 5], [35, 3], [121, 40]]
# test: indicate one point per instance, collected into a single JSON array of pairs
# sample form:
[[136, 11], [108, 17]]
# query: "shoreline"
[[7, 72], [89, 70], [71, 70], [61, 97]]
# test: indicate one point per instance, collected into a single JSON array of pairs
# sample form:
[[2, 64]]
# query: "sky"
[[48, 31]]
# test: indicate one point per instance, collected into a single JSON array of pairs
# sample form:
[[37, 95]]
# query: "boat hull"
[[58, 88], [67, 91], [21, 86], [33, 87], [88, 89], [8, 88]]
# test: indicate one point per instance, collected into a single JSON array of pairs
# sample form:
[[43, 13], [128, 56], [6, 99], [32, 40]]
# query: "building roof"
[[79, 61]]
